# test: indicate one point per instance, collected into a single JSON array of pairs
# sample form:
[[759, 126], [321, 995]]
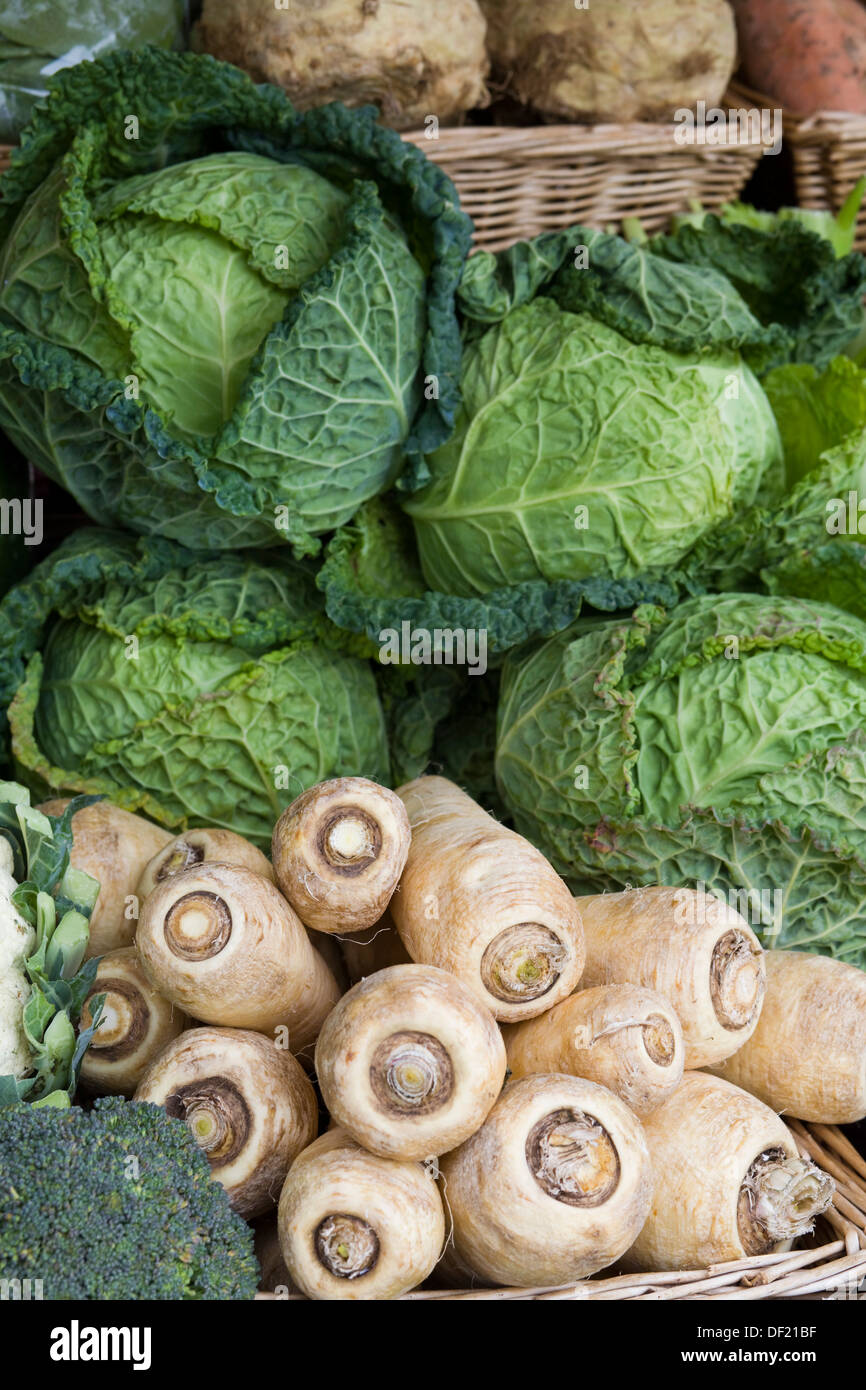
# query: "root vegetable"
[[409, 1062], [375, 949], [407, 57], [137, 1023], [339, 851], [480, 901], [691, 947], [113, 846], [621, 1036], [810, 55], [248, 1103], [807, 1056], [612, 61], [354, 1226], [731, 1182], [554, 1186], [222, 943], [208, 845]]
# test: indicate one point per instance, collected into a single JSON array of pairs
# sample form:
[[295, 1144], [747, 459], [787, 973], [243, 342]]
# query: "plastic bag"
[[39, 37]]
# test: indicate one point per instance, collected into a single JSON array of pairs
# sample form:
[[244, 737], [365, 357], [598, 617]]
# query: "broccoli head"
[[116, 1202]]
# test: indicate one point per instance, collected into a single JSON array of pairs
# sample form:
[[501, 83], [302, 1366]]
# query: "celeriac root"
[[410, 1062], [207, 845], [731, 1182], [221, 942], [248, 1103], [692, 948], [136, 1024], [555, 1185], [355, 1226], [807, 1056], [480, 901], [621, 1036], [339, 851]]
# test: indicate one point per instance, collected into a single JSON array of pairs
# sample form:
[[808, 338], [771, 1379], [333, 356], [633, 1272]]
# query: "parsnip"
[[248, 1103], [807, 1056], [354, 1226], [373, 949], [224, 945], [730, 1180], [691, 947], [113, 846], [203, 846], [410, 1062], [339, 851], [136, 1024], [554, 1186], [622, 1036], [480, 901]]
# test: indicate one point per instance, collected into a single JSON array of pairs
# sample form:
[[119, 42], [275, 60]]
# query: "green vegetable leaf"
[[788, 277], [202, 690], [721, 743], [228, 346]]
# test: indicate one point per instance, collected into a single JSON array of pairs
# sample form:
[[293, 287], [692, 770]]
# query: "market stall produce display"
[[438, 834]]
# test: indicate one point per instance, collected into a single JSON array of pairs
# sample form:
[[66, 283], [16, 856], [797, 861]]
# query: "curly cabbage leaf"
[[774, 294], [217, 314], [812, 542], [578, 454], [197, 689], [372, 584], [722, 742]]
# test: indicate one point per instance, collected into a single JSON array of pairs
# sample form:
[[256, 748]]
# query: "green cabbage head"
[[578, 454], [197, 689], [216, 315], [723, 742]]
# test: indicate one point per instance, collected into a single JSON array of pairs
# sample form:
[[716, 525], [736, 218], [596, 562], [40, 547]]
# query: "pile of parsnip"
[[523, 1087]]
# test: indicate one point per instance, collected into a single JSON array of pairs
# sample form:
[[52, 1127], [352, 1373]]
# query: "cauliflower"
[[17, 940]]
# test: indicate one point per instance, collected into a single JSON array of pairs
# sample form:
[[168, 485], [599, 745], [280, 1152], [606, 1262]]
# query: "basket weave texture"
[[829, 156], [517, 181], [832, 1266]]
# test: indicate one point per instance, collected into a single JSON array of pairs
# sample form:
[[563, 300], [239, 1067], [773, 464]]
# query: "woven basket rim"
[[788, 1274]]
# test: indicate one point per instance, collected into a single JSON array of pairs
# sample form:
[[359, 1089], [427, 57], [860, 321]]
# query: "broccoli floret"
[[116, 1202]]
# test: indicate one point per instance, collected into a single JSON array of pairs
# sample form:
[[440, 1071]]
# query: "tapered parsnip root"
[[807, 1056], [113, 846], [374, 949], [355, 1226], [339, 851], [554, 1186], [410, 1062], [730, 1183], [224, 945], [247, 1102], [480, 901], [692, 948], [623, 1037], [204, 846], [136, 1024]]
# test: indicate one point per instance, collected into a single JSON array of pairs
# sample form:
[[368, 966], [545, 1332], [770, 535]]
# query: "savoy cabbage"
[[722, 742], [198, 689], [220, 318]]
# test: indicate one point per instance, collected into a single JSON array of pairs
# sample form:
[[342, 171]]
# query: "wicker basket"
[[833, 1265], [517, 181], [829, 156]]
